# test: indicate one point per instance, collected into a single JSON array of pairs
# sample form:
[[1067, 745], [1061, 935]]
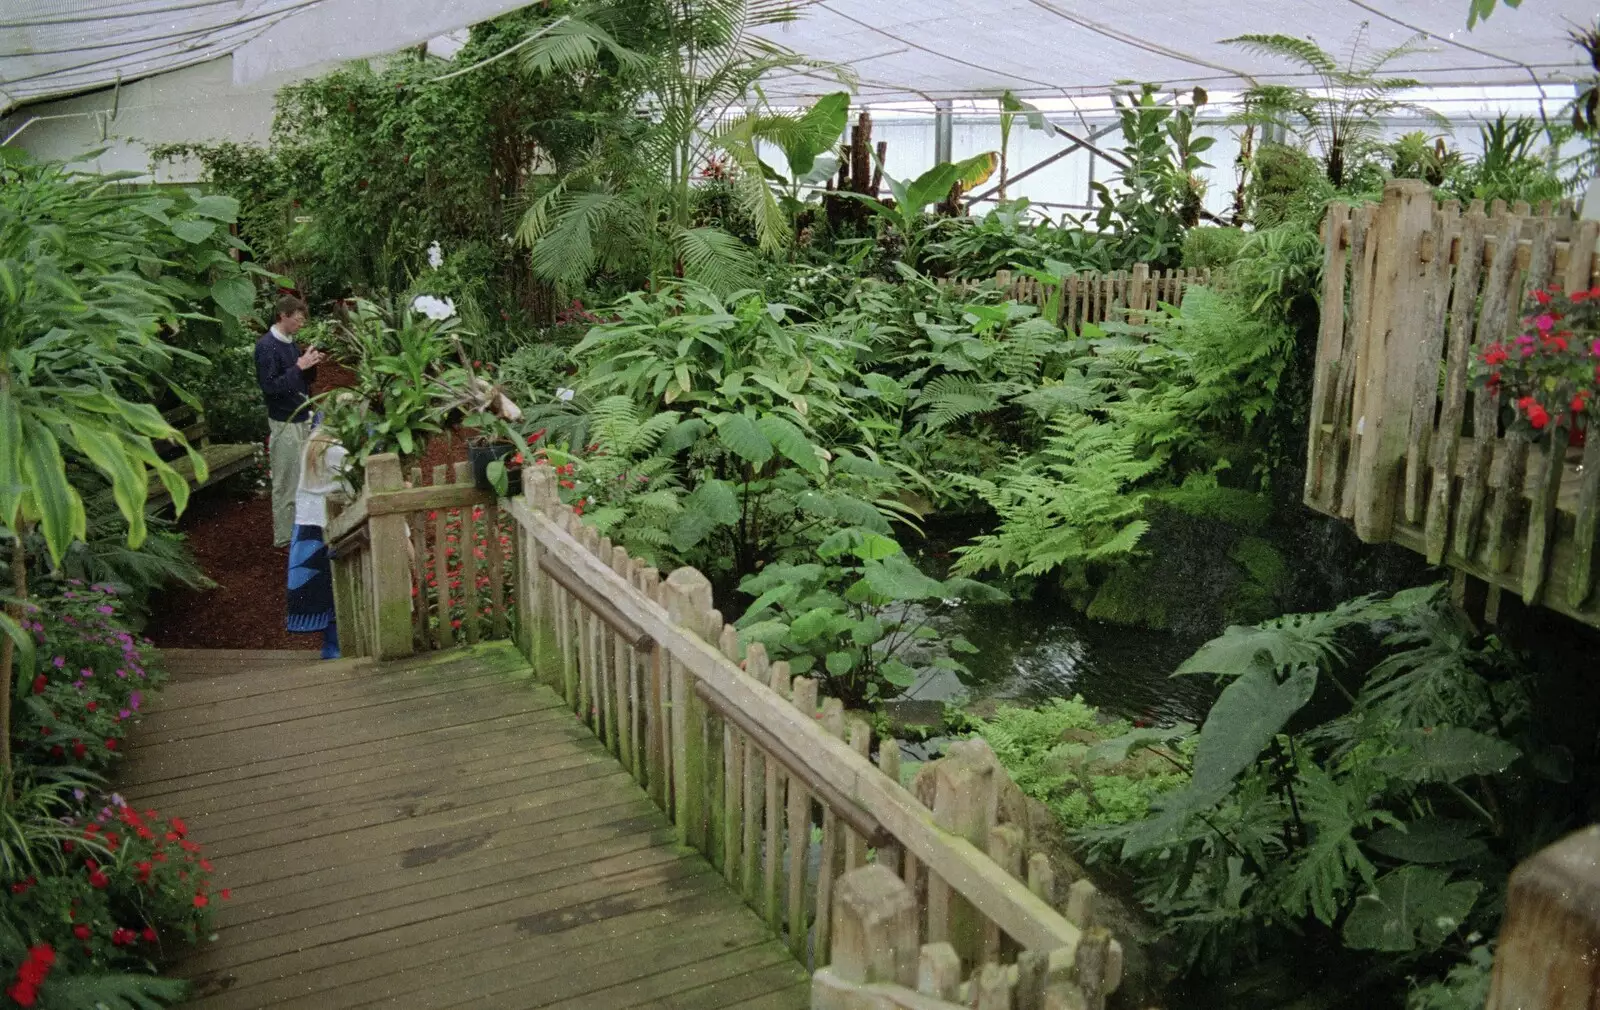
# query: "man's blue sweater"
[[283, 385]]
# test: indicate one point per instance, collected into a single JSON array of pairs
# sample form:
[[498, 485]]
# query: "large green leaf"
[[235, 295], [682, 435], [1239, 649], [790, 441], [11, 480], [815, 131], [1446, 754], [55, 501], [130, 484], [194, 232], [896, 578], [1429, 840], [1414, 903], [20, 637], [744, 438], [217, 207], [856, 512], [1249, 713]]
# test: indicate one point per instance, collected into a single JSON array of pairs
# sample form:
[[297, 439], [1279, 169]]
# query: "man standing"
[[285, 375]]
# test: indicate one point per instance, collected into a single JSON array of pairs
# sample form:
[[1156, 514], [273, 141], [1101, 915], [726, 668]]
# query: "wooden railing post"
[[391, 583], [1550, 937], [688, 604], [1393, 349], [875, 928]]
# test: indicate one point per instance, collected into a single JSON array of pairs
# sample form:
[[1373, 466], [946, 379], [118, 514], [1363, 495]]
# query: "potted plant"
[[1548, 376]]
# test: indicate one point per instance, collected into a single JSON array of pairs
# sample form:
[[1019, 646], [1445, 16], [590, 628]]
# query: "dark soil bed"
[[230, 531]]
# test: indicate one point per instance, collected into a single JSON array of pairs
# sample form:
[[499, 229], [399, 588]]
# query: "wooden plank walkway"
[[434, 833]]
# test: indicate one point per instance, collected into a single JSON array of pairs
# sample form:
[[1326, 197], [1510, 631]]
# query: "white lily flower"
[[435, 256]]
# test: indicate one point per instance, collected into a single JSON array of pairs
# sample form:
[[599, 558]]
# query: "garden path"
[[436, 832]]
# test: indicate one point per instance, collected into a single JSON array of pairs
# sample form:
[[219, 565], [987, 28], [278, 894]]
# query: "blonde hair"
[[314, 458]]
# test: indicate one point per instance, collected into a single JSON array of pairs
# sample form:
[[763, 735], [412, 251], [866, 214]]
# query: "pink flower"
[[1545, 323]]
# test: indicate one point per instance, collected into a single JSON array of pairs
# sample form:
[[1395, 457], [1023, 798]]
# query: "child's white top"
[[311, 499]]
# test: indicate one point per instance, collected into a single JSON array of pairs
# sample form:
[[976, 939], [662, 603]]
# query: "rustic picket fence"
[[427, 533], [1400, 443], [1095, 297], [782, 791]]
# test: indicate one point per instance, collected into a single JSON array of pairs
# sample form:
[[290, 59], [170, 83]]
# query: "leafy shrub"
[[1285, 184], [1211, 248], [95, 891], [91, 677], [1393, 820], [1551, 371], [854, 619]]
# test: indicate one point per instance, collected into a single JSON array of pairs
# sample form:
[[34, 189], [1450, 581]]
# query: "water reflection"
[[1033, 651]]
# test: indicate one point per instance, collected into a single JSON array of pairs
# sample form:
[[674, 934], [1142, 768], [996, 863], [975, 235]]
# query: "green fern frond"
[[1302, 51]]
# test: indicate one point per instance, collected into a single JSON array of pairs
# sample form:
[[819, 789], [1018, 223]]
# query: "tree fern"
[[1342, 117]]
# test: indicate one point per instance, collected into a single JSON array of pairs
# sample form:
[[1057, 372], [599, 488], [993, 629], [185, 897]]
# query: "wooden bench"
[[222, 460]]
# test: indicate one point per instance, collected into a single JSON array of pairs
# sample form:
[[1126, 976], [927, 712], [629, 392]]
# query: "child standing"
[[310, 577]]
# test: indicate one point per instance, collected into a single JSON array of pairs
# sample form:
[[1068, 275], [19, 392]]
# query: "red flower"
[[111, 744], [1538, 416], [39, 683], [178, 826], [144, 866], [201, 901], [98, 879], [122, 936], [149, 935], [1542, 297], [92, 705], [78, 749], [227, 892]]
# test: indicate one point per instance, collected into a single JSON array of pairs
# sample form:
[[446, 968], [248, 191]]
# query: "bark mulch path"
[[230, 531]]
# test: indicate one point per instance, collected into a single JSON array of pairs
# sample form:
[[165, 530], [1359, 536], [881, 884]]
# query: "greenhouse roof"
[[899, 51]]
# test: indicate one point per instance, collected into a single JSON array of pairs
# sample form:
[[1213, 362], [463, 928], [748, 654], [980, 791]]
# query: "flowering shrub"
[[1550, 373], [92, 890], [90, 678]]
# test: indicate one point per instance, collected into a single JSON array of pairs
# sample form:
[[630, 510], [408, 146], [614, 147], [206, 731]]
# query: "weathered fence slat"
[[1403, 442]]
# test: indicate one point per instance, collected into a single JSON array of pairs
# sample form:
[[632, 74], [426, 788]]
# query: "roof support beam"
[[1078, 144]]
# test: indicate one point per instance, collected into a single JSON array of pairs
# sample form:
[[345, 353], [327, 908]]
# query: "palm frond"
[[568, 251], [714, 258], [574, 45]]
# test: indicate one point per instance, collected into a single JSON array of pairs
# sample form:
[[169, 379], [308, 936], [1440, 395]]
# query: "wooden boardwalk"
[[438, 832]]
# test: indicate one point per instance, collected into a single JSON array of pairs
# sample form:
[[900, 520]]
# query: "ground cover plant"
[[98, 893]]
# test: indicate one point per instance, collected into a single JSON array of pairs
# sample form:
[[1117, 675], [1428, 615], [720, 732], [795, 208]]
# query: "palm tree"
[[691, 63], [1341, 116]]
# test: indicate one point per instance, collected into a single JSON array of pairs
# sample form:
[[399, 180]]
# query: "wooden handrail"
[[852, 813], [602, 607], [1002, 899]]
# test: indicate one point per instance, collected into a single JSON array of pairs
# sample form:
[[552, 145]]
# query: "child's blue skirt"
[[310, 581]]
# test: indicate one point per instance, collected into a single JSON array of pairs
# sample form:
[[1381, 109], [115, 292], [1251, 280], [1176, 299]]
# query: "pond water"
[[1032, 650]]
